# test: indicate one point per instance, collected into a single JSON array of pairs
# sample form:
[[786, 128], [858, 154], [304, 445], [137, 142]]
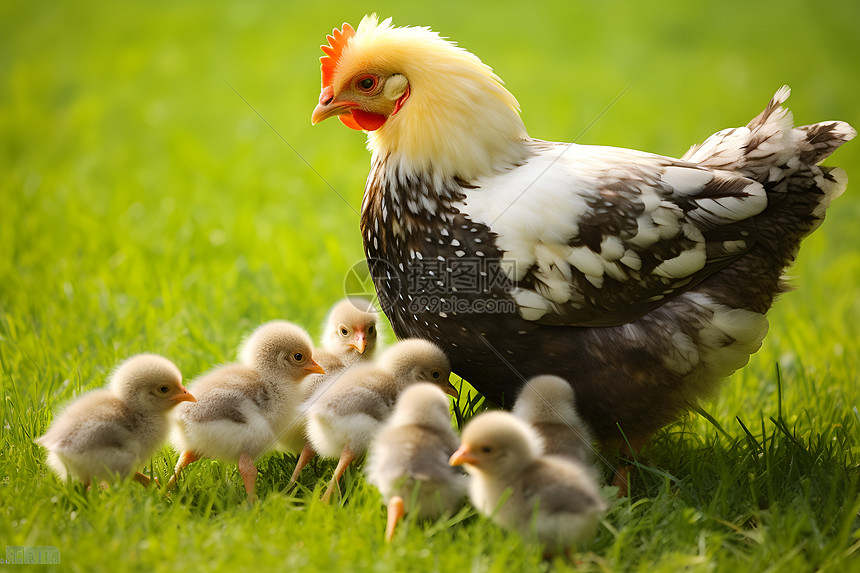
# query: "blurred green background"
[[145, 207]]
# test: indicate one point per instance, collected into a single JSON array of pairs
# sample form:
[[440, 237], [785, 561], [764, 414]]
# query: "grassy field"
[[145, 207]]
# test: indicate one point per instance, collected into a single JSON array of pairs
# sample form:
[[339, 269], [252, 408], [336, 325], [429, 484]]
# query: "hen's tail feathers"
[[785, 160], [770, 147]]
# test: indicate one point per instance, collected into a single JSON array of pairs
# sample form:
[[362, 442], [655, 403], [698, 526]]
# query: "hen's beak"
[[360, 342], [314, 368], [463, 455], [185, 396], [329, 107]]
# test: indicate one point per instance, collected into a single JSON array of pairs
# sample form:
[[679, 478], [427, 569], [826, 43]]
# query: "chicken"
[[108, 433], [243, 409], [350, 332], [344, 418], [551, 498], [547, 404], [640, 279], [408, 459], [349, 338]]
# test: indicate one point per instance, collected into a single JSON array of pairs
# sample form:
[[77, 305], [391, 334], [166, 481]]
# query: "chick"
[[242, 409], [411, 451], [110, 432], [548, 405], [349, 337], [350, 333], [551, 498], [343, 418]]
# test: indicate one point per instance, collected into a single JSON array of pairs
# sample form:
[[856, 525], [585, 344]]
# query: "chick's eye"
[[298, 356], [343, 331], [487, 449], [163, 389], [370, 330], [366, 83], [435, 374]]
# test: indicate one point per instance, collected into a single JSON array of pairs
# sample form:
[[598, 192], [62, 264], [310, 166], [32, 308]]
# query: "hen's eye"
[[343, 331], [163, 389], [366, 83], [298, 356]]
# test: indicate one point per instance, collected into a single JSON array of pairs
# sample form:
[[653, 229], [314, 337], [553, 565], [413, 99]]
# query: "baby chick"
[[343, 418], [242, 409], [552, 498], [349, 337], [110, 432], [547, 404], [412, 450], [349, 333]]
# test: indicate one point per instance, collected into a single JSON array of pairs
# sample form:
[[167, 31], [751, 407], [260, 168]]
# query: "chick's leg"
[[346, 457], [142, 479], [185, 458], [396, 510], [307, 454], [248, 471]]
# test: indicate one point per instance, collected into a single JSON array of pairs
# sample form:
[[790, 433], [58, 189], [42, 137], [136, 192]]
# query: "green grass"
[[145, 207]]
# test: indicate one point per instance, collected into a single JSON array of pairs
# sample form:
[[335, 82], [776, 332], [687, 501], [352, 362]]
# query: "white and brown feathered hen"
[[109, 433], [641, 279], [344, 417], [408, 458]]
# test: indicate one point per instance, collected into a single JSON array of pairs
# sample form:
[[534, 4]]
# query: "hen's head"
[[427, 104]]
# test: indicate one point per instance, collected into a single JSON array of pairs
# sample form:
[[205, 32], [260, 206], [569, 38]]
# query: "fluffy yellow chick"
[[551, 498], [343, 419], [548, 405], [108, 433], [349, 338], [411, 451], [243, 409], [350, 332]]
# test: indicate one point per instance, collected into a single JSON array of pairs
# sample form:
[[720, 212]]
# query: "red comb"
[[336, 43]]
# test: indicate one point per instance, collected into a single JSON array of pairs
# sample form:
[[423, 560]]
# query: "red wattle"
[[399, 103], [349, 121], [365, 120]]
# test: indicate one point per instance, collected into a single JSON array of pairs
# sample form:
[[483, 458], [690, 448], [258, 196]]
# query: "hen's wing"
[[599, 236]]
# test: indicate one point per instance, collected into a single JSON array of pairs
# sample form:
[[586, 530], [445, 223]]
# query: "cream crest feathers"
[[441, 75]]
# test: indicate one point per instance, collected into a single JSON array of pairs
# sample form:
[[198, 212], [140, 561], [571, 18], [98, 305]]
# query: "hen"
[[641, 279]]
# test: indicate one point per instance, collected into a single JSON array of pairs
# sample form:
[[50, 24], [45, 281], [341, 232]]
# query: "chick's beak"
[[451, 391], [463, 455], [314, 368], [360, 341], [184, 396], [329, 106]]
